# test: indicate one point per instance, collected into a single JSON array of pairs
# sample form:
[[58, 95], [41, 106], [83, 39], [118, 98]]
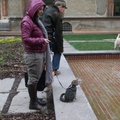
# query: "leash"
[[60, 82]]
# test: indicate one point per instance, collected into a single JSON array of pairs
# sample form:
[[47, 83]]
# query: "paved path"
[[14, 96], [105, 40]]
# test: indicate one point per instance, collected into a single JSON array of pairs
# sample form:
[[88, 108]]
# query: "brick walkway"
[[101, 85]]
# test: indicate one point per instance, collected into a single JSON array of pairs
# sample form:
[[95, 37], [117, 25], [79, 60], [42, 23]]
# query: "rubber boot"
[[34, 105]]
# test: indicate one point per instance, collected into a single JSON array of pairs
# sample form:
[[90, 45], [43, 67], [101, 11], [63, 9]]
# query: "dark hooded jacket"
[[32, 36], [52, 19]]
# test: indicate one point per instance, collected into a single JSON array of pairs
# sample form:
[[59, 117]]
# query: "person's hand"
[[46, 41]]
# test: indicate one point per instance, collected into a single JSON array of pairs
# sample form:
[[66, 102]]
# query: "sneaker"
[[57, 72]]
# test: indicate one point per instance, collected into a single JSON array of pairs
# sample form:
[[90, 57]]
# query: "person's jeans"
[[56, 61]]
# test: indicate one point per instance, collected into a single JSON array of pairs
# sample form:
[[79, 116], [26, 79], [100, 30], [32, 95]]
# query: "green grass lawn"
[[91, 45], [90, 37]]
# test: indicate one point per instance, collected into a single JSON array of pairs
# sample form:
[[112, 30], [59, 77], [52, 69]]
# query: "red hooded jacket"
[[32, 36]]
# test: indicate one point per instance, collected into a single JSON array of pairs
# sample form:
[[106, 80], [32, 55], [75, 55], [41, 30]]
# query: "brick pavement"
[[101, 85]]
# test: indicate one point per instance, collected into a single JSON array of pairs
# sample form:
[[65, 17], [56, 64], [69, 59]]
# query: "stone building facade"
[[81, 15]]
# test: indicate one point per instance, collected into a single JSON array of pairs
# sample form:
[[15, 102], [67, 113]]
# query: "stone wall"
[[83, 15], [15, 14], [94, 24], [85, 8], [91, 16], [15, 8]]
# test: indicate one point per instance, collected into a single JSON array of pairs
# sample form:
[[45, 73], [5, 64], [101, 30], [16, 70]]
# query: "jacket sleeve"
[[53, 23], [58, 33], [27, 29]]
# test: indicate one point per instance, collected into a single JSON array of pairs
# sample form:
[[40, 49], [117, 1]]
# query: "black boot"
[[34, 105]]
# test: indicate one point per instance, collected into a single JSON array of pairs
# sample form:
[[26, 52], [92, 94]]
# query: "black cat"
[[70, 93]]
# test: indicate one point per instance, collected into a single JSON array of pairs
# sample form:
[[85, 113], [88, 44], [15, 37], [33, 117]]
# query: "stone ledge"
[[80, 109], [10, 33], [4, 25]]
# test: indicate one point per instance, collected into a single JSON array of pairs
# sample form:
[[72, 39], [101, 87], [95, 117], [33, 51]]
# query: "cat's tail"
[[62, 97]]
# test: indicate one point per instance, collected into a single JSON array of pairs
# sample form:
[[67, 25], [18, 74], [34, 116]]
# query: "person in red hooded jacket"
[[35, 46]]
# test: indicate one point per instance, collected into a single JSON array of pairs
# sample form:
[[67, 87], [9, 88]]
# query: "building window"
[[67, 26], [113, 7], [116, 7]]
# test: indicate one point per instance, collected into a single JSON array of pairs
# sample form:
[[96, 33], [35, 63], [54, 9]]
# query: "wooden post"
[[4, 7]]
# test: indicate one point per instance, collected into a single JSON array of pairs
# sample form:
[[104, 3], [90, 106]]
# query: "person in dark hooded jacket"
[[52, 19], [35, 46]]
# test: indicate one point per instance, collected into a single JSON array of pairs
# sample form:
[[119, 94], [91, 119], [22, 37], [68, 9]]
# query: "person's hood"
[[33, 6]]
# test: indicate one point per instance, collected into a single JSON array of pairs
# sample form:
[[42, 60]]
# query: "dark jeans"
[[56, 61]]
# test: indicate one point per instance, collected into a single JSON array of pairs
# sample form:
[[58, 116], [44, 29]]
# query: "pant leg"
[[56, 61], [34, 63]]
